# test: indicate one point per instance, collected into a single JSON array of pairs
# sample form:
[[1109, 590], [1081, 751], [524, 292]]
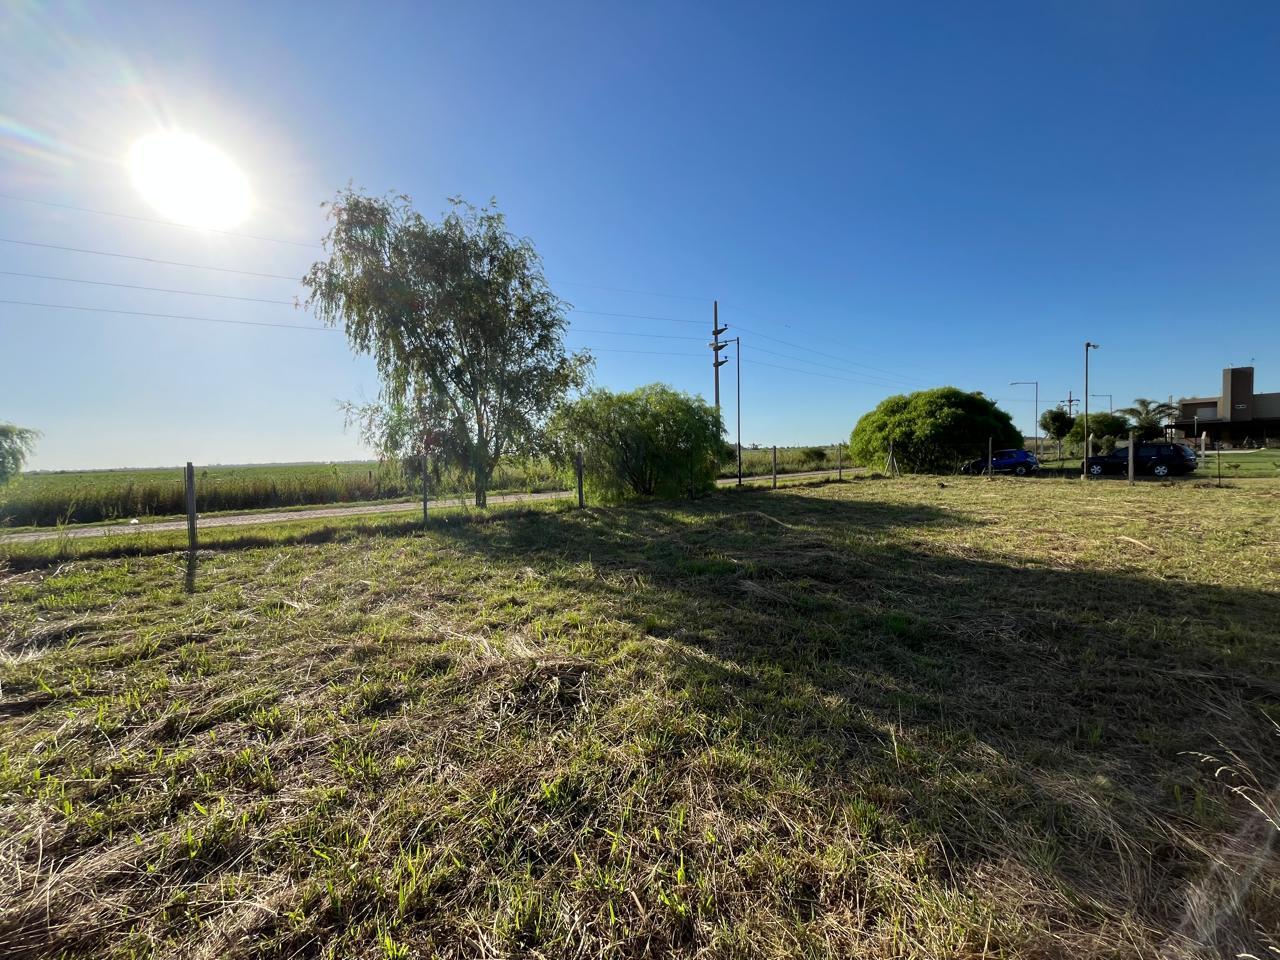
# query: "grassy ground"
[[872, 719]]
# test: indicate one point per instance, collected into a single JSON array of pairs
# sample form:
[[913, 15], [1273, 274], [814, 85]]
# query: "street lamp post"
[[1111, 406], [1036, 383], [1084, 462]]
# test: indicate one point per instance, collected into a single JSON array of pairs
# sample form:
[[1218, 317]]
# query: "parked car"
[[1158, 459], [1019, 462]]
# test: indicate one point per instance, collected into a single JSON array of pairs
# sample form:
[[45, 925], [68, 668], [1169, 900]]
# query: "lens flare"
[[189, 181]]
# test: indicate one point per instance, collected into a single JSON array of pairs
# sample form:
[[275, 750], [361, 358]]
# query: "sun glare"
[[189, 181]]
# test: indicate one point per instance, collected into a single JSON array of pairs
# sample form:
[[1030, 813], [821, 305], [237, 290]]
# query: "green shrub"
[[651, 442]]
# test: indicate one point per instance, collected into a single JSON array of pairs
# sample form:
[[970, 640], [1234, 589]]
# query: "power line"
[[640, 293], [893, 375], [163, 223], [866, 378], [134, 286], [291, 326], [624, 333], [808, 373], [168, 263], [310, 246], [652, 353], [637, 316], [830, 356], [170, 316], [290, 303]]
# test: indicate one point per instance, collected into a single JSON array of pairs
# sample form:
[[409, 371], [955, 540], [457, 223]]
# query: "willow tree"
[[16, 444], [467, 336]]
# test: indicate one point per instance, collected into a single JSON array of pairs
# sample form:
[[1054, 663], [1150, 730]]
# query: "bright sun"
[[189, 181]]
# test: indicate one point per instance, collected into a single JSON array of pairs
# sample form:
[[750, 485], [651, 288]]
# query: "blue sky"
[[908, 195]]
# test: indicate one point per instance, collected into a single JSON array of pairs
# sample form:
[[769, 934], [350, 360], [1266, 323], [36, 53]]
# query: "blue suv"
[[1021, 463]]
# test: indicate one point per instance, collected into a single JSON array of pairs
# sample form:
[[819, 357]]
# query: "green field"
[[92, 496], [912, 718], [759, 461]]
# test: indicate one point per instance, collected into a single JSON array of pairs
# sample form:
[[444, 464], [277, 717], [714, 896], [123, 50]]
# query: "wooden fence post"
[[191, 507], [1133, 445], [839, 461], [425, 495], [991, 460]]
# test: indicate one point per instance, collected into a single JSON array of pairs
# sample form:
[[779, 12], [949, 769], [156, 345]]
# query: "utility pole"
[[737, 380], [1071, 404], [1024, 383], [716, 346], [1088, 434]]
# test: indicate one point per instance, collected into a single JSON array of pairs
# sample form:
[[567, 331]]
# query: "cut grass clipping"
[[869, 719]]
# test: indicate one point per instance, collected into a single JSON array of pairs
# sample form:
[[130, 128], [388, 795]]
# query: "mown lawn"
[[867, 719]]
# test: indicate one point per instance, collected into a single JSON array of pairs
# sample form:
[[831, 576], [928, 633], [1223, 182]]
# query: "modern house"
[[1236, 416]]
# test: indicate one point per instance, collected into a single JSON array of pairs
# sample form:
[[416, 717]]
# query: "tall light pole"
[[1084, 462], [1023, 383], [1111, 407]]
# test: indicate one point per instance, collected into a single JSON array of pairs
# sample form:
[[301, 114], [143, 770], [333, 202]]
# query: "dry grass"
[[871, 719]]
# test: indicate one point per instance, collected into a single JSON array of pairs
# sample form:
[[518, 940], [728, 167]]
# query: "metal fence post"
[[424, 491], [839, 461], [577, 465], [775, 466], [991, 460], [1133, 444]]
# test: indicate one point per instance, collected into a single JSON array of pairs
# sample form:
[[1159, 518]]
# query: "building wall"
[[1236, 402], [1266, 405], [1202, 408]]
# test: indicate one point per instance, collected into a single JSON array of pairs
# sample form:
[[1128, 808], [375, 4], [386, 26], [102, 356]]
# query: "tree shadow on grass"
[[1031, 726]]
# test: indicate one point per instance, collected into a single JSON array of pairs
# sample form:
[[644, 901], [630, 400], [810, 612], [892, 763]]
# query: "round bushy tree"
[[1101, 425], [932, 431], [1056, 423], [649, 442]]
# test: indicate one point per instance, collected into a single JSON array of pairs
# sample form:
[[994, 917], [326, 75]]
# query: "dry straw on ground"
[[870, 719]]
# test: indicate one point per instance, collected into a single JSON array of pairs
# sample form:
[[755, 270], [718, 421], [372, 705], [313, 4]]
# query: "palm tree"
[[1149, 416]]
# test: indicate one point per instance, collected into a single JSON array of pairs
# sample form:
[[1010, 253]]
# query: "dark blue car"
[[1021, 463]]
